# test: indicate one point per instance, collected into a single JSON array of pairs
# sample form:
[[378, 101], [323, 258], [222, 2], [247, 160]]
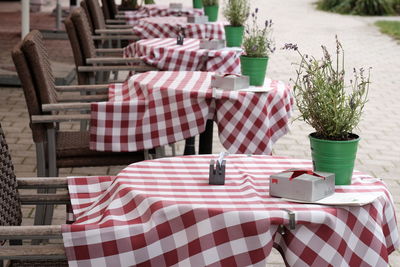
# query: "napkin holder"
[[214, 44], [180, 37], [197, 19], [304, 185], [176, 6], [230, 81], [217, 172]]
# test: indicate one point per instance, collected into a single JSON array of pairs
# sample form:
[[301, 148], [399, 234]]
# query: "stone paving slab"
[[296, 21]]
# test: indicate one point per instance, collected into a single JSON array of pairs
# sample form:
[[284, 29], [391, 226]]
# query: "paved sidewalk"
[[296, 21]]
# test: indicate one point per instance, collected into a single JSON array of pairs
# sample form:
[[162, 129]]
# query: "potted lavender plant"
[[332, 109], [236, 12], [257, 46], [211, 9]]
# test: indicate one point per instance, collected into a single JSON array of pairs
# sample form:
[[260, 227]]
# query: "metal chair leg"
[[42, 171]]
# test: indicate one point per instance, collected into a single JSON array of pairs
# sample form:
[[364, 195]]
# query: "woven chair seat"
[[73, 151], [44, 263]]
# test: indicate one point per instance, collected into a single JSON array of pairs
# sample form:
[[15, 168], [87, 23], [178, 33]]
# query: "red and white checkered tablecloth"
[[132, 17], [167, 27], [157, 108], [163, 212], [165, 54]]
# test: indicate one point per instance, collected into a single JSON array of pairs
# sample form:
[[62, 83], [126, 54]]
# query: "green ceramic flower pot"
[[197, 4], [335, 156], [234, 36], [211, 12], [255, 68]]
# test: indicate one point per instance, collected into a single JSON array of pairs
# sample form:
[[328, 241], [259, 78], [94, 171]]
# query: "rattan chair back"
[[82, 28], [110, 9], [88, 15], [32, 97], [83, 77], [98, 19], [38, 60], [10, 208]]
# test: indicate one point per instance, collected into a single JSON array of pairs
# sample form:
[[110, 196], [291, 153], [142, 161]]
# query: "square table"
[[163, 212], [145, 11], [157, 108], [168, 27], [165, 54]]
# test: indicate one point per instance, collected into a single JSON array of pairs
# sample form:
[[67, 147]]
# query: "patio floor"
[[294, 22]]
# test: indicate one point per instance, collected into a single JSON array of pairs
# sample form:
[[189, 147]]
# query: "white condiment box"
[[230, 81], [214, 44], [176, 6], [311, 186], [197, 19]]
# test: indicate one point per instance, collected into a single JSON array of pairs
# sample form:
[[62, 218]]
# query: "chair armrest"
[[114, 31], [66, 106], [115, 21], [32, 252], [42, 182], [116, 37], [137, 68], [30, 232], [59, 118], [119, 26], [120, 15], [84, 98], [83, 88], [113, 60]]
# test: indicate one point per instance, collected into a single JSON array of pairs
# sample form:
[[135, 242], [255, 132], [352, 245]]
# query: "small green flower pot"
[[334, 156], [234, 36], [255, 68], [211, 12], [197, 4]]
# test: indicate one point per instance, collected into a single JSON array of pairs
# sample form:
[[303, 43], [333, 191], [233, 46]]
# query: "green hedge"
[[361, 7]]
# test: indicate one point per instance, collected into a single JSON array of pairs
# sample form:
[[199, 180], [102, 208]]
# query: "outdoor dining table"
[[166, 54], [157, 108], [168, 27], [164, 212], [145, 11]]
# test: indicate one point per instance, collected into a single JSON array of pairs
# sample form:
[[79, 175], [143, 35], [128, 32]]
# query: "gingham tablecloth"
[[157, 108], [132, 17], [165, 54], [163, 212], [167, 27]]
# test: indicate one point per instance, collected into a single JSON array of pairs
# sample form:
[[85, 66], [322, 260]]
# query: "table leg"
[[189, 146], [206, 139]]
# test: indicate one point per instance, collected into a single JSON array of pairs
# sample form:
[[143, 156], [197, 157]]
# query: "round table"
[[164, 212], [167, 27], [165, 54]]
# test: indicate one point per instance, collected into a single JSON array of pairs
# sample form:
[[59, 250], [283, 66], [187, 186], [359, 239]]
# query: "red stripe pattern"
[[165, 54], [157, 108], [146, 11], [167, 27], [163, 212]]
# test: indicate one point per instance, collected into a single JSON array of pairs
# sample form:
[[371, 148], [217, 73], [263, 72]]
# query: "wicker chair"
[[85, 52], [55, 148], [110, 9], [100, 29], [11, 217]]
